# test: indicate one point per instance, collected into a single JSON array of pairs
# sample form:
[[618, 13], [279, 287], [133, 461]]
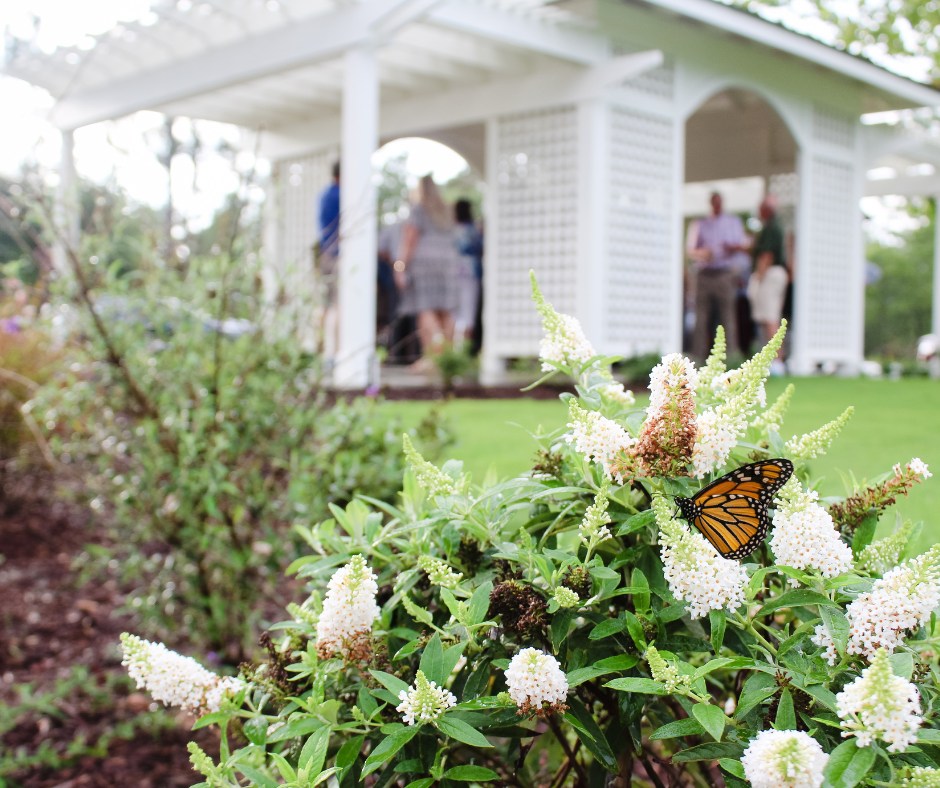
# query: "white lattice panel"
[[300, 181], [537, 205], [833, 129], [639, 291], [822, 279], [659, 82]]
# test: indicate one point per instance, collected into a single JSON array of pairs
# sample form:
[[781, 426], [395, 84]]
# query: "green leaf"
[[733, 767], [848, 764], [423, 782], [461, 731], [452, 656], [837, 625], [618, 662], [387, 748], [673, 730], [392, 683], [786, 715], [758, 687], [586, 727], [929, 736], [635, 628], [256, 776], [712, 751], [723, 663], [300, 726], [349, 752], [719, 622], [711, 718], [580, 675], [605, 629], [864, 532], [256, 730], [470, 774], [902, 664], [432, 660], [799, 597], [641, 599], [637, 522], [641, 685], [313, 754], [480, 604]]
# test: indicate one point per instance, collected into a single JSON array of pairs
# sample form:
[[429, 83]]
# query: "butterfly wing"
[[731, 512]]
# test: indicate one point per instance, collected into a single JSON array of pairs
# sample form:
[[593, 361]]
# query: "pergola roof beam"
[[307, 41], [571, 44]]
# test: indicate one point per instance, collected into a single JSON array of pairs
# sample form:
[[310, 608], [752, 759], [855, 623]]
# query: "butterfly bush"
[[535, 682], [804, 534], [349, 611], [784, 759], [174, 679], [424, 702], [901, 601], [880, 705], [696, 574], [568, 626]]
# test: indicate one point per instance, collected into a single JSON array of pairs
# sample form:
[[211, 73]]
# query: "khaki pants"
[[715, 294]]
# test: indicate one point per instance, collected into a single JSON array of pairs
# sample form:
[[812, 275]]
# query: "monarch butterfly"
[[731, 512]]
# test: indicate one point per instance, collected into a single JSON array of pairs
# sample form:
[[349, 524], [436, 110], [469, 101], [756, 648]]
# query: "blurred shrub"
[[205, 440]]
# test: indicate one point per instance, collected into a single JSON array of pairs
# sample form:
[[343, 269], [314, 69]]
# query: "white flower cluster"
[[593, 528], [671, 374], [922, 777], [424, 702], [173, 679], [439, 572], [882, 556], [696, 574], [565, 597], [784, 759], [535, 679], [598, 438], [617, 393], [564, 343], [918, 466], [772, 418], [880, 705], [816, 443], [717, 433], [348, 610], [805, 535], [668, 674], [430, 477], [900, 601]]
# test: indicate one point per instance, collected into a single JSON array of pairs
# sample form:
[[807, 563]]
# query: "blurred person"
[[328, 262], [469, 271], [426, 271], [767, 286], [720, 238]]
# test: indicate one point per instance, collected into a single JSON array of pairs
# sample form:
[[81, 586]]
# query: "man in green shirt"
[[767, 287]]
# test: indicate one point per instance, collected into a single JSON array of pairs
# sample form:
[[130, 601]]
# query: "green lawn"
[[893, 422]]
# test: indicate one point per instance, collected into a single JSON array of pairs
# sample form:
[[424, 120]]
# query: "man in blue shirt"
[[720, 237], [328, 261]]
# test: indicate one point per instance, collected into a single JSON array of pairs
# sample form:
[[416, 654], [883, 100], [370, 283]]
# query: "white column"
[[65, 210], [799, 362], [492, 364], [357, 265], [935, 311], [591, 204]]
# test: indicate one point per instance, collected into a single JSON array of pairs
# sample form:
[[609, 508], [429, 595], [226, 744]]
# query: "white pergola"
[[578, 114]]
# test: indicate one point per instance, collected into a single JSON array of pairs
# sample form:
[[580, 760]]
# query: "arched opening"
[[736, 145], [399, 164]]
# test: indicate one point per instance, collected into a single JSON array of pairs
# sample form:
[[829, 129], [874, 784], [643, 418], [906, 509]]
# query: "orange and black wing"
[[731, 512]]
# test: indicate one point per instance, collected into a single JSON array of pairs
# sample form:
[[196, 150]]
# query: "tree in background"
[[898, 305]]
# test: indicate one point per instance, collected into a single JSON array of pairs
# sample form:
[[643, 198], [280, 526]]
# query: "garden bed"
[[69, 716]]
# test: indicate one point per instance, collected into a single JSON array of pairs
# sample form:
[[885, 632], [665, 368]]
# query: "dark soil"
[[62, 686]]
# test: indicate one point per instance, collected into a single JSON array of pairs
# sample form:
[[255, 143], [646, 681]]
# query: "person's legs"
[[704, 306], [725, 295]]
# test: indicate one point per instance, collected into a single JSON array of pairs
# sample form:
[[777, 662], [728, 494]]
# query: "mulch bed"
[[51, 623]]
